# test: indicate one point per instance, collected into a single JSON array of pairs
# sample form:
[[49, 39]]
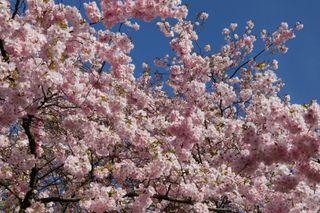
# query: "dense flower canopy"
[[76, 137]]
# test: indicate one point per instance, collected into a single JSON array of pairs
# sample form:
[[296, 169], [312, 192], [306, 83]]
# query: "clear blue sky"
[[299, 68]]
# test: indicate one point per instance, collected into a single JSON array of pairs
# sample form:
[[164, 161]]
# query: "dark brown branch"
[[46, 99], [26, 124], [47, 163], [16, 9], [246, 62], [187, 201], [29, 195], [102, 66], [164, 197], [12, 192], [91, 173], [54, 182], [3, 51], [220, 107], [120, 26], [221, 210], [167, 193], [59, 199], [50, 171], [59, 106]]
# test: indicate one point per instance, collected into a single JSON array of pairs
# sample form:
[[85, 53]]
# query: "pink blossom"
[[203, 16], [92, 11], [207, 48], [233, 26], [250, 24]]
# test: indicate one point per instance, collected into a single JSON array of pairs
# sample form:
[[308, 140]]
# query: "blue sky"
[[299, 68]]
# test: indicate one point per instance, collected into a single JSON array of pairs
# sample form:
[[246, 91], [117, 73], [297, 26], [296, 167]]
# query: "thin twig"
[[16, 8], [246, 62]]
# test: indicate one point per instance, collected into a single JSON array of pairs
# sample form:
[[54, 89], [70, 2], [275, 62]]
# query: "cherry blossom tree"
[[78, 136]]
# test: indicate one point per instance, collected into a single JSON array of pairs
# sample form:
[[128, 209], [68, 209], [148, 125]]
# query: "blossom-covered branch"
[[84, 129]]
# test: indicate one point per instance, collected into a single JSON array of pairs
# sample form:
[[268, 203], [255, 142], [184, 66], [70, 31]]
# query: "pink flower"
[[203, 16], [298, 26], [207, 48], [233, 26], [92, 11], [250, 24]]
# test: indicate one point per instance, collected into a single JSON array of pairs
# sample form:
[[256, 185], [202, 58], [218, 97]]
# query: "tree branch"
[[16, 8], [187, 201], [26, 124], [59, 199], [221, 210], [3, 51], [29, 195], [246, 62], [164, 197], [12, 192], [50, 171], [102, 66]]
